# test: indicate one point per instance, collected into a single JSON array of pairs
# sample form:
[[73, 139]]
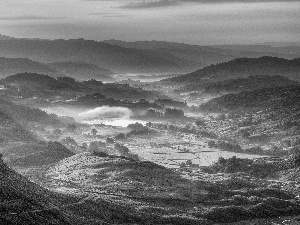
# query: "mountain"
[[252, 82], [129, 57], [10, 66], [77, 70], [276, 98], [290, 50], [243, 67], [35, 80], [115, 58], [82, 71], [28, 85], [197, 57], [192, 55]]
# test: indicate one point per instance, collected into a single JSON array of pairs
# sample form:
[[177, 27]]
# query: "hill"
[[243, 67], [149, 189], [38, 81], [250, 83], [26, 115], [131, 57], [199, 56], [269, 98], [115, 58], [23, 202], [12, 131], [82, 71], [10, 66]]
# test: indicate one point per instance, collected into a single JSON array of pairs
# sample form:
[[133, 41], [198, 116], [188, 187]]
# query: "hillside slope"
[[23, 202], [269, 98], [199, 56], [10, 66], [82, 71], [250, 83], [26, 115], [243, 67]]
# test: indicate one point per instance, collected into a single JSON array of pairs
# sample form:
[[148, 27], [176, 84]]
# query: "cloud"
[[10, 18], [166, 3], [104, 14], [241, 1], [150, 4], [105, 112]]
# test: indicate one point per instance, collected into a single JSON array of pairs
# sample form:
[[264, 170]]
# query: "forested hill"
[[243, 67], [269, 98], [250, 83], [25, 115]]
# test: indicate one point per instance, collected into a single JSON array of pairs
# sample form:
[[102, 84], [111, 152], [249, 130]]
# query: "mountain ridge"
[[243, 67]]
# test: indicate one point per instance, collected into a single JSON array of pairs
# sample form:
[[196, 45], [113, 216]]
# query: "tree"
[[110, 140], [173, 113], [94, 131], [57, 132], [200, 123], [120, 136], [72, 127], [69, 141], [135, 126]]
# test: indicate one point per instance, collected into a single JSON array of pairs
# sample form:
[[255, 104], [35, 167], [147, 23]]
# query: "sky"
[[201, 22]]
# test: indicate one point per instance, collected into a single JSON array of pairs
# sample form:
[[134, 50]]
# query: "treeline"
[[169, 113]]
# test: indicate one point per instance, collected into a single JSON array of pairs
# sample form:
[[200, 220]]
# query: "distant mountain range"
[[241, 68], [10, 66], [77, 70], [115, 58], [196, 57], [82, 71], [147, 57]]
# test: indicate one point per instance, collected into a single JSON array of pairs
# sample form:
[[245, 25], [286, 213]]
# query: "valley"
[[84, 144]]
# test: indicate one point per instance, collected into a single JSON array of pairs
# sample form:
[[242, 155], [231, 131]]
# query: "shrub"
[[200, 123], [110, 140], [120, 136], [173, 113]]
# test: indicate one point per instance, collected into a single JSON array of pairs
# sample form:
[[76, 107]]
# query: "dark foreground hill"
[[241, 68], [23, 202]]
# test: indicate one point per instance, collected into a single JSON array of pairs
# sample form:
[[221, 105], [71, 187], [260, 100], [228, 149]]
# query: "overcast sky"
[[202, 22]]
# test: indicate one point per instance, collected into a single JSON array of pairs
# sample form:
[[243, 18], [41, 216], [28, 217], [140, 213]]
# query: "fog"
[[105, 113], [188, 22], [113, 116]]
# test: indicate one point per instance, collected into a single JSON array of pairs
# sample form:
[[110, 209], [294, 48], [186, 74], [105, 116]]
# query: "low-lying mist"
[[113, 116], [105, 112]]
